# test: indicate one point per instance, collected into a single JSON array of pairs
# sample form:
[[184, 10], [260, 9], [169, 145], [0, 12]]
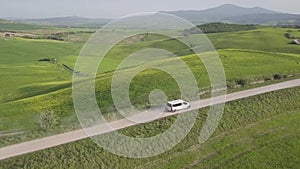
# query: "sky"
[[119, 8]]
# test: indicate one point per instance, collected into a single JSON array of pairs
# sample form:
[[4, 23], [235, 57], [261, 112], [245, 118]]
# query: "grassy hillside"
[[24, 75], [31, 86], [245, 134], [252, 66], [264, 39], [260, 131]]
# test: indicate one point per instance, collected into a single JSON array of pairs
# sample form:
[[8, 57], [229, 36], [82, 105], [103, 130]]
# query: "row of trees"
[[218, 27], [52, 37]]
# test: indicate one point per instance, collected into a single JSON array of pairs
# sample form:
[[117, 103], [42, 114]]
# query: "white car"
[[177, 105]]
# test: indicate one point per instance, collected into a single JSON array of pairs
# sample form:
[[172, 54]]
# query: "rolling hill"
[[45, 86]]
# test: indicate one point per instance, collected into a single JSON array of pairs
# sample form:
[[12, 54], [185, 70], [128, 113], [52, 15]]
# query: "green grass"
[[268, 143], [26, 52], [49, 87], [264, 39], [31, 86], [20, 67], [260, 132], [29, 100], [124, 49]]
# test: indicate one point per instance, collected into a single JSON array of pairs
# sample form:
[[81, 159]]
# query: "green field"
[[49, 87], [21, 102], [264, 39], [260, 131], [255, 56], [21, 52], [22, 71]]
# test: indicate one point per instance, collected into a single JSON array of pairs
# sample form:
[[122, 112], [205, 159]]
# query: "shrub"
[[284, 76], [267, 79], [47, 120], [231, 85], [242, 82], [278, 76]]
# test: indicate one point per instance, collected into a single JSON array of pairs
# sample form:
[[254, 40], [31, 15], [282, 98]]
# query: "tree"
[[47, 120], [278, 76]]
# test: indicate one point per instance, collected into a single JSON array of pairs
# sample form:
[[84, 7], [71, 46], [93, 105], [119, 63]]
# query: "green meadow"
[[263, 39], [29, 100], [250, 129], [31, 86]]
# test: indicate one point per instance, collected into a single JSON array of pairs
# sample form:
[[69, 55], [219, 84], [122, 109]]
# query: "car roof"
[[176, 101]]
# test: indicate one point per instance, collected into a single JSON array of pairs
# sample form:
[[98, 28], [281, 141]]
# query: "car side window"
[[176, 105]]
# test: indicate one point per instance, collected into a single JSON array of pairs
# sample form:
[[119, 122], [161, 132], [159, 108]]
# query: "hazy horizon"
[[116, 8]]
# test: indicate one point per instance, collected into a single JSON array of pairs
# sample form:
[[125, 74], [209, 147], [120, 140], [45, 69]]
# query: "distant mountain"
[[226, 13], [219, 14], [234, 14], [72, 21]]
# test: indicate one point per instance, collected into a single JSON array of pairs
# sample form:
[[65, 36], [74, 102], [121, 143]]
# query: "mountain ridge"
[[219, 14], [67, 21], [227, 13]]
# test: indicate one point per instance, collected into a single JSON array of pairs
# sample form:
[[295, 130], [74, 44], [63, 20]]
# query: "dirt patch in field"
[[133, 39], [13, 34]]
